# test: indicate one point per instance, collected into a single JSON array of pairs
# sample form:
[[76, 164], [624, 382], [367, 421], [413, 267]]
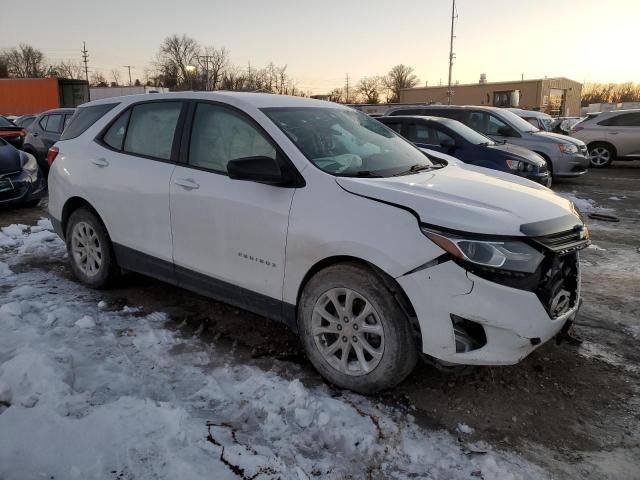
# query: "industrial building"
[[556, 96]]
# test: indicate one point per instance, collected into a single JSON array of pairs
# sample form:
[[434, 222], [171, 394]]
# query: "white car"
[[320, 216]]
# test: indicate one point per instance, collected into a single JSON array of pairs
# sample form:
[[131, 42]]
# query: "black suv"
[[44, 132]]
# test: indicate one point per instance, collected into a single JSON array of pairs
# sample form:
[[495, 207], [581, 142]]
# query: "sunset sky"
[[322, 41]]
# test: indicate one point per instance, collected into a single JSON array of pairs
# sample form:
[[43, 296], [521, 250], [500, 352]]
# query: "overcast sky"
[[322, 41]]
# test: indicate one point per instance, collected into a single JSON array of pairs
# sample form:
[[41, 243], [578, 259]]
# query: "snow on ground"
[[91, 392], [585, 205]]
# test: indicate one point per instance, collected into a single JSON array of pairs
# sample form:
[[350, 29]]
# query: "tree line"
[[610, 93]]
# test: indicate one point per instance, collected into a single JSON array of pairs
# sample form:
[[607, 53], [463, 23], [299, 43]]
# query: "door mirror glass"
[[259, 169]]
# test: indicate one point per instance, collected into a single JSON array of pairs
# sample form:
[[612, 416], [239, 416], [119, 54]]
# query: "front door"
[[229, 236]]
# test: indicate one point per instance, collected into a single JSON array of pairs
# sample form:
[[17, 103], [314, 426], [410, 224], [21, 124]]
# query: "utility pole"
[[451, 54], [347, 90], [207, 58], [85, 60], [129, 67]]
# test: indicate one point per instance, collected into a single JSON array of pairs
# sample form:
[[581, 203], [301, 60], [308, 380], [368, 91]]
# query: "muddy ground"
[[574, 410]]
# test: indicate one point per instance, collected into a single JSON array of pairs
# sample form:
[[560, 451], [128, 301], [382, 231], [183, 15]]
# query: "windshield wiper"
[[418, 167], [362, 174]]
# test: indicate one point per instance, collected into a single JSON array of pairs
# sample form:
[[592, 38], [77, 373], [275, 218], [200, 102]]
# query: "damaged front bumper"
[[513, 322]]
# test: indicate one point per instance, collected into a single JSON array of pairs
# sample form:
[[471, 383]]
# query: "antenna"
[[454, 16]]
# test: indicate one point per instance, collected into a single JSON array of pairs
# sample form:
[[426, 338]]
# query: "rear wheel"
[[90, 250], [354, 331], [601, 155]]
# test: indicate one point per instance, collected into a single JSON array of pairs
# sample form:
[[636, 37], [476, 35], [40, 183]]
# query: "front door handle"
[[187, 183], [35, 134], [100, 162]]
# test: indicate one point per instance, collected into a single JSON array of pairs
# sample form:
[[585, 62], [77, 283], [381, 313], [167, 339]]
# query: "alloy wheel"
[[599, 156], [86, 249], [348, 331]]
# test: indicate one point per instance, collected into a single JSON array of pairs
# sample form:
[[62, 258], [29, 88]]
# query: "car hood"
[[472, 199], [559, 138], [9, 159], [515, 150]]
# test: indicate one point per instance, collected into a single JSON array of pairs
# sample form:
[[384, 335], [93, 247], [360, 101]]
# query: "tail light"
[[52, 154], [22, 133]]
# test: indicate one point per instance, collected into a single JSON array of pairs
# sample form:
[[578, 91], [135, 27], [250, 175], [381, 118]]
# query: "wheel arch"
[[392, 286], [606, 144], [546, 159], [71, 205]]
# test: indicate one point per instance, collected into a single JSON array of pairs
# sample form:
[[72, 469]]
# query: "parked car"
[[540, 120], [24, 121], [456, 139], [563, 125], [20, 180], [565, 156], [315, 214], [610, 136], [11, 133], [44, 131]]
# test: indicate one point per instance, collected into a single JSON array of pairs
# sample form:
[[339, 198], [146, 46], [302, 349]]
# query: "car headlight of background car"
[[520, 166], [507, 254], [568, 148], [29, 163]]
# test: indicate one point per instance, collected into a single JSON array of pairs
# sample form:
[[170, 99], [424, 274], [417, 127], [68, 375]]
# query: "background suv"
[[565, 156], [44, 131], [610, 136]]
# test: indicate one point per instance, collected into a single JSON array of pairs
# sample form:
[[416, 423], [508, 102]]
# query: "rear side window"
[[52, 123], [83, 118], [444, 113], [624, 120], [151, 129], [408, 111], [115, 135], [395, 126]]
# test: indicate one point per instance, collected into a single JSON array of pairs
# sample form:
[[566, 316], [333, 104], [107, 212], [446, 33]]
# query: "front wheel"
[[354, 331], [601, 155], [89, 248]]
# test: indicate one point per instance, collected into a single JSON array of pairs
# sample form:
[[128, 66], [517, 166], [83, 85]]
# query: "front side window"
[[624, 120], [219, 135], [151, 129], [346, 142]]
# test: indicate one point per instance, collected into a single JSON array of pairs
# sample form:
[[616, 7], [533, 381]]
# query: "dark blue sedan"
[[456, 139]]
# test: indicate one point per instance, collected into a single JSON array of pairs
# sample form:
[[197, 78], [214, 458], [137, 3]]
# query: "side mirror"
[[448, 143], [506, 131], [258, 169]]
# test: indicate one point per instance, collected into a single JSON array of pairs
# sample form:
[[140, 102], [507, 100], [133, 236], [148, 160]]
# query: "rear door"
[[623, 131], [229, 235], [126, 176], [51, 127]]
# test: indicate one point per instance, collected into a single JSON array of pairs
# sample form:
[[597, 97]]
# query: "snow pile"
[[90, 392], [585, 205]]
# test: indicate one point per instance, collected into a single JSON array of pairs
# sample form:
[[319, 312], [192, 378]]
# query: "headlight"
[[519, 166], [30, 165], [568, 148], [512, 255]]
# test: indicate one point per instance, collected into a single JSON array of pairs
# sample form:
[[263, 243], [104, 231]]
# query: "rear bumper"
[[514, 321]]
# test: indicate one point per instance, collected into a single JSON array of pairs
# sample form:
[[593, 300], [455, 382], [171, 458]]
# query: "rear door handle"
[[187, 183], [100, 162]]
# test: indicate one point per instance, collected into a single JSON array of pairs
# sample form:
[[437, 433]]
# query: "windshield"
[[346, 142], [519, 123]]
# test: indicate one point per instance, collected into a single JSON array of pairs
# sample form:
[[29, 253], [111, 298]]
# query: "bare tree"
[[399, 77], [25, 62], [369, 88], [115, 77], [98, 80], [68, 69], [175, 56], [337, 95], [214, 61]]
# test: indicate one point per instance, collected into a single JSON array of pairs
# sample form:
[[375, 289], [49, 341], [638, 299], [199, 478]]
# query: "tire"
[[100, 268], [601, 155], [380, 347]]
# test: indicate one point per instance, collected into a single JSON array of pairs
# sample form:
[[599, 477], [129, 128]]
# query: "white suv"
[[317, 215]]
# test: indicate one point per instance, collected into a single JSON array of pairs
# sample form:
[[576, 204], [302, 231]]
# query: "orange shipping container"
[[21, 96]]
